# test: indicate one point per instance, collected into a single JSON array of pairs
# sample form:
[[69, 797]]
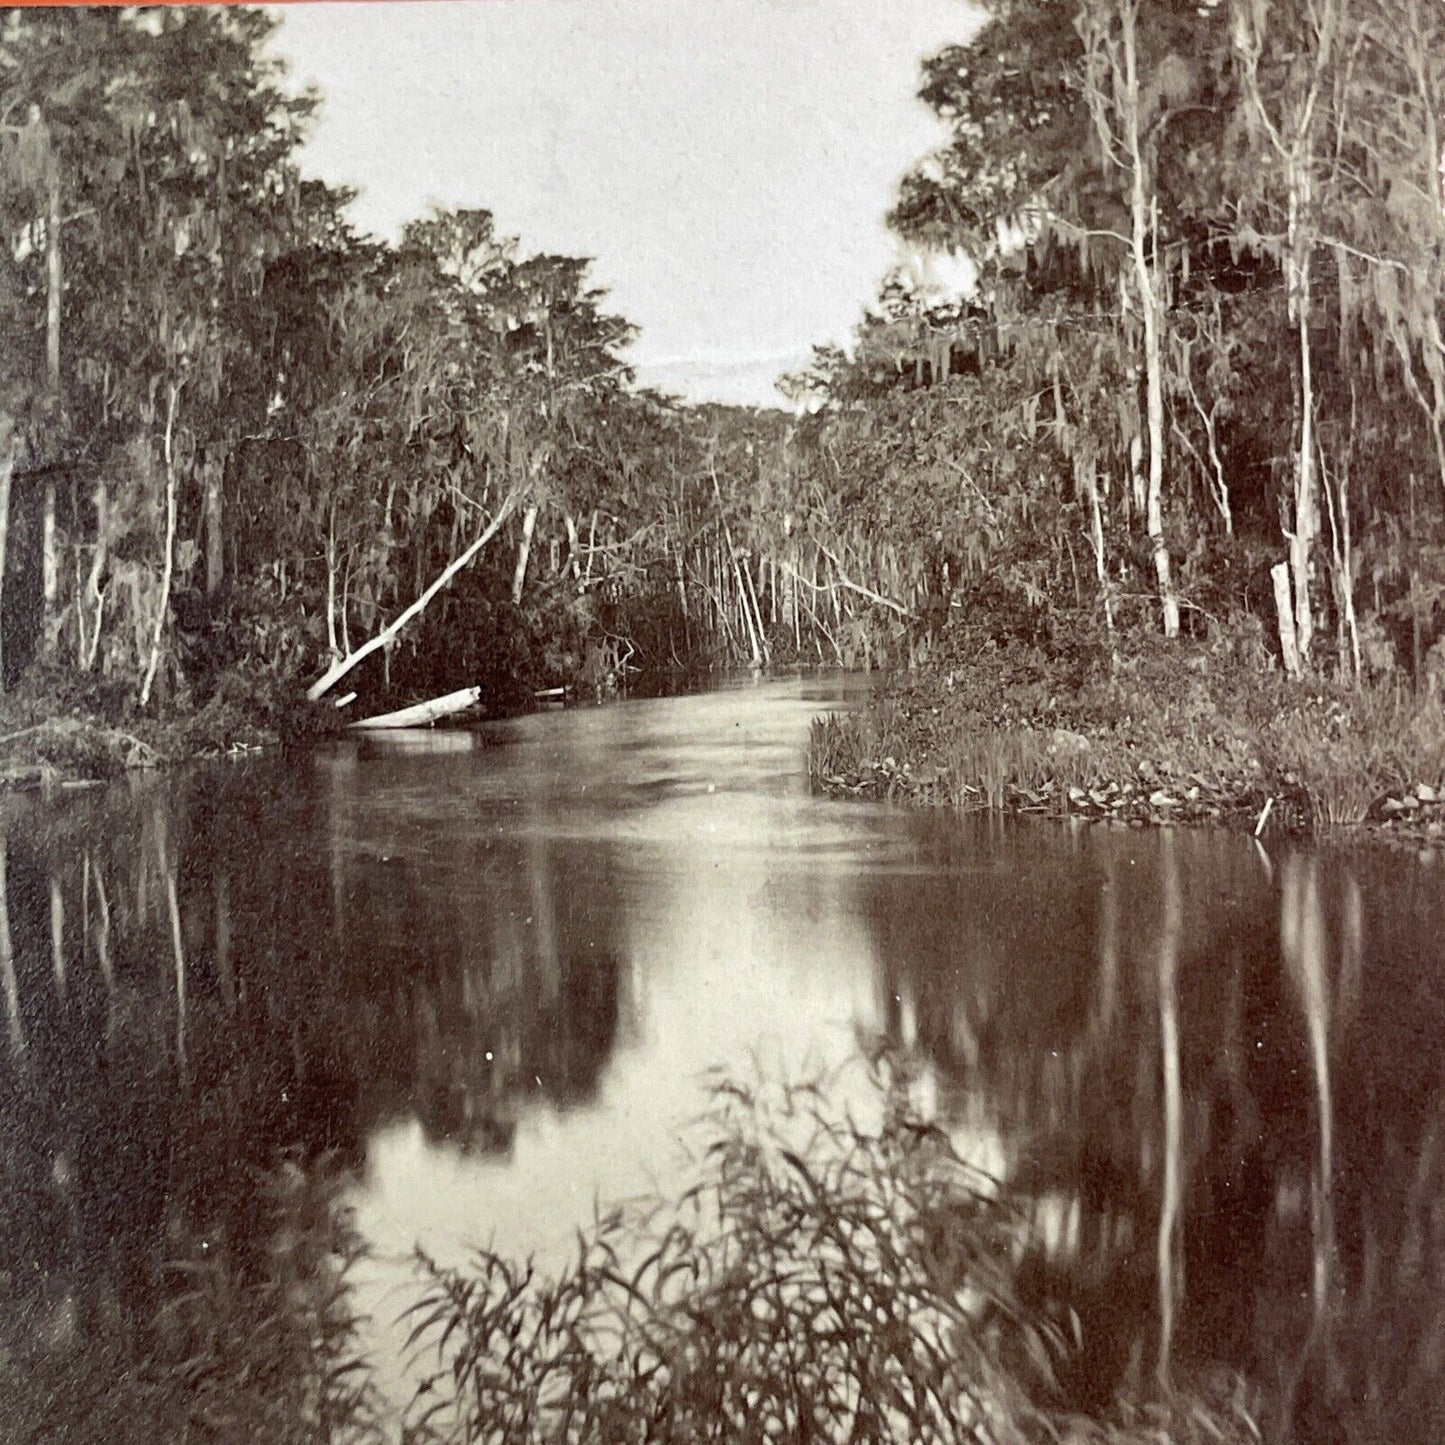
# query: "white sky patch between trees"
[[727, 163]]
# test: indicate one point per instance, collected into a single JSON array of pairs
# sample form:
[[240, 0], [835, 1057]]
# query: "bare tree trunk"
[[1096, 542], [332, 645], [7, 472], [524, 552], [1284, 612], [755, 641], [99, 558], [1306, 499], [54, 280], [345, 609], [681, 580], [1293, 144], [168, 567], [339, 669], [574, 562], [1337, 500], [1144, 221]]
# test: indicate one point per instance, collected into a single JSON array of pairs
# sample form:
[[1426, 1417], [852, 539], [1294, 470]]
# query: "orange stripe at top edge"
[[193, 4]]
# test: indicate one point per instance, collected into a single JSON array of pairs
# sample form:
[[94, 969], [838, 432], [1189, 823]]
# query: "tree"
[[1287, 58]]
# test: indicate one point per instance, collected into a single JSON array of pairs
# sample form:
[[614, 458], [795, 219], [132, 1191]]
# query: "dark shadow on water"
[[197, 998], [1290, 1227]]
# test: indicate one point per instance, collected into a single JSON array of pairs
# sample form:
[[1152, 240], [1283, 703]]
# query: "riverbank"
[[61, 730], [1173, 734]]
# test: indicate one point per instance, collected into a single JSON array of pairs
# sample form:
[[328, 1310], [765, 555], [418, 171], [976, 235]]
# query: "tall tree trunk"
[[168, 566], [1306, 528], [332, 644], [1293, 145], [7, 472], [54, 281], [524, 552], [99, 558], [1143, 223], [574, 544]]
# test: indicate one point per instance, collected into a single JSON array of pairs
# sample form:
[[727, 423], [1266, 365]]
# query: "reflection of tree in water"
[[184, 1006], [1280, 1209]]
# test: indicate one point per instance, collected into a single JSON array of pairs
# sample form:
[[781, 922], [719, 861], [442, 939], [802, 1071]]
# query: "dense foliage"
[[237, 437], [1200, 372], [1194, 379]]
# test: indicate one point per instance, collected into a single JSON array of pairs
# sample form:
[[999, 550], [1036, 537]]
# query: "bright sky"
[[726, 162]]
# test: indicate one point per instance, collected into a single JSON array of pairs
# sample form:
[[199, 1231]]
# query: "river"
[[480, 977]]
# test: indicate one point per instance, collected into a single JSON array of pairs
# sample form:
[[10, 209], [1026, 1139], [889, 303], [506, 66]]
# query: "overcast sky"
[[726, 162]]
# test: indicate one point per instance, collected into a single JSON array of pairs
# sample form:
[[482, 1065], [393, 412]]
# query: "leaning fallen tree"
[[344, 665], [422, 714]]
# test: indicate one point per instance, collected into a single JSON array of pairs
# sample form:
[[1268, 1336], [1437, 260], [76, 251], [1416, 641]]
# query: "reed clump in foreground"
[[818, 1282]]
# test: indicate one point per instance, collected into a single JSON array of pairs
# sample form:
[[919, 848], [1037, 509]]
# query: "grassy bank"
[[1173, 733], [59, 728]]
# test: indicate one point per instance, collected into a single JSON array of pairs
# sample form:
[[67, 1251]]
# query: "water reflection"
[[1218, 1075], [475, 982]]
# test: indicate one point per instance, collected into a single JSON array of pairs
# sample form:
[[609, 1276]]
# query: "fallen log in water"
[[422, 713]]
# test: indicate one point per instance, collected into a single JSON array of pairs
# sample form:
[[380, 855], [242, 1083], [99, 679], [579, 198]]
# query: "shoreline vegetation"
[[1172, 735], [60, 730]]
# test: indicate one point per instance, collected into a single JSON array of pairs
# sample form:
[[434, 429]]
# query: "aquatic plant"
[[818, 1280], [1347, 753]]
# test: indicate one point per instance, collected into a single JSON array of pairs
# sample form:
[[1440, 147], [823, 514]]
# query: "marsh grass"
[[1348, 753], [1011, 728], [818, 1281], [991, 764], [842, 746], [835, 749]]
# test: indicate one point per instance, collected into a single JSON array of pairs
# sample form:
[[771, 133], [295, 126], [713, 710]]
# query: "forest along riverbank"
[[1170, 734]]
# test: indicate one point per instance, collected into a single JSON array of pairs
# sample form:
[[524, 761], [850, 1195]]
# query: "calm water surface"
[[480, 976]]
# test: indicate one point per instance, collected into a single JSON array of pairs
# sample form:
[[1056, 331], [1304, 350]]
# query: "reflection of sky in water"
[[738, 931], [1035, 968]]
